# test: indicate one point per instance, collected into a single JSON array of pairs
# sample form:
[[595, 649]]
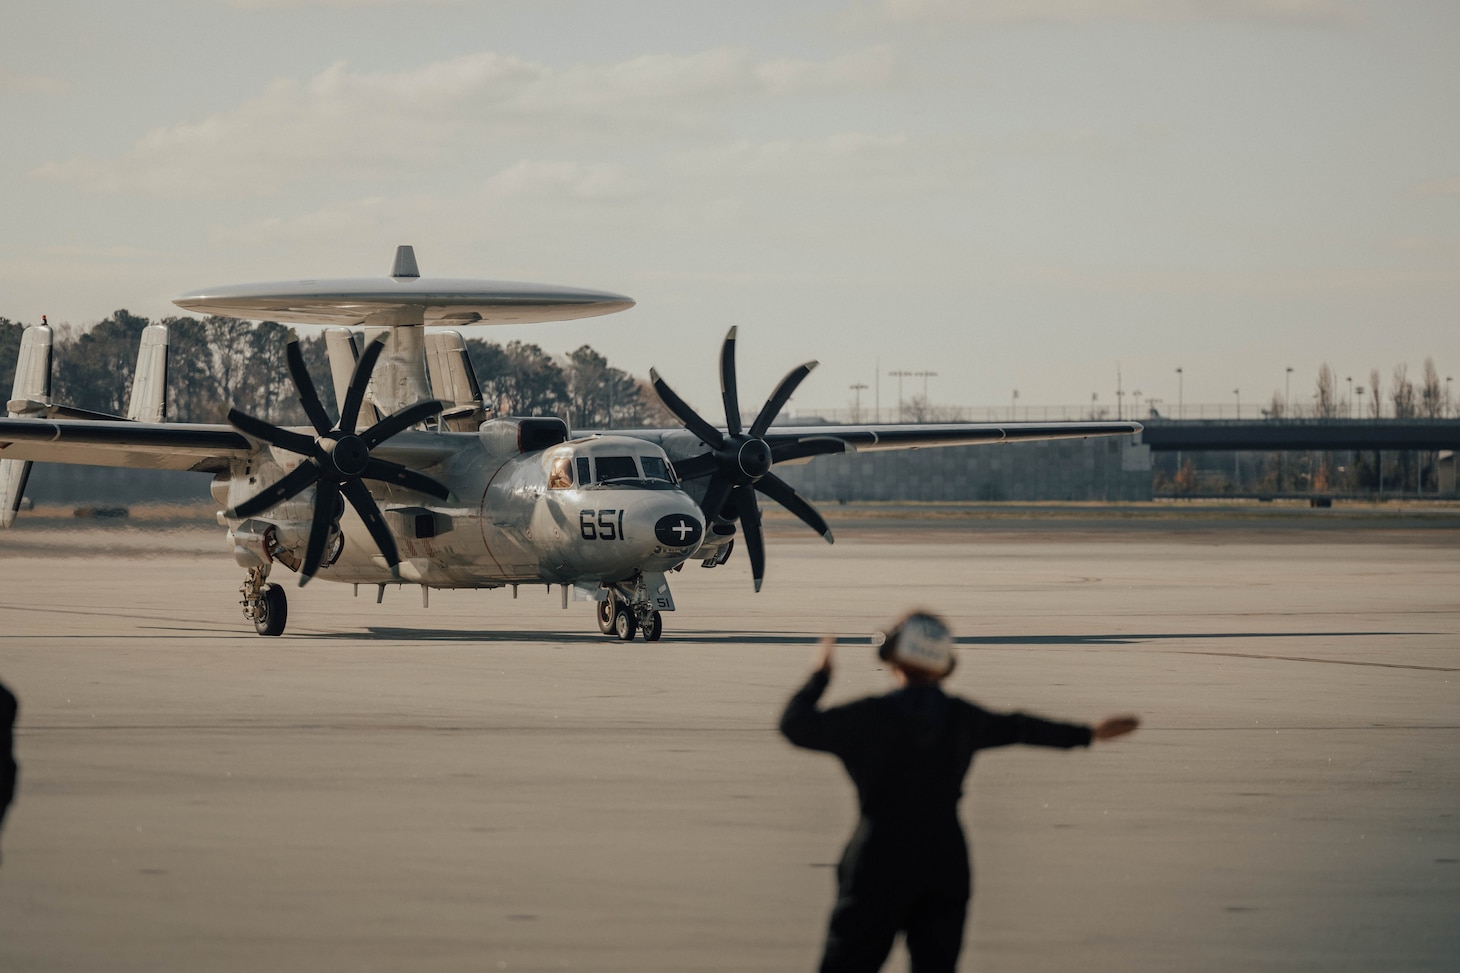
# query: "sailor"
[[906, 867], [8, 768]]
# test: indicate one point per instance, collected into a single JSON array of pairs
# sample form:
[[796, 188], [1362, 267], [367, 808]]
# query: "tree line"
[[218, 362]]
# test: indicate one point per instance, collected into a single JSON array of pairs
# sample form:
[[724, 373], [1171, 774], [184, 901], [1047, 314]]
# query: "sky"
[[1048, 196]]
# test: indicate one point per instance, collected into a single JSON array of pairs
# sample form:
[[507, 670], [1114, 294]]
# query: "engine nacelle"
[[256, 544]]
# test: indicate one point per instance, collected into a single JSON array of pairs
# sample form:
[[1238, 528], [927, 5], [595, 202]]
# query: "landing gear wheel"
[[624, 624], [605, 612], [654, 627], [271, 611]]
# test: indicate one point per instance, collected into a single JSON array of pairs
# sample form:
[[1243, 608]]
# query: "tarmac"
[[489, 784]]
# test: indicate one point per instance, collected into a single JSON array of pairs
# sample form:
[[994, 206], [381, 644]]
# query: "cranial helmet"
[[920, 640]]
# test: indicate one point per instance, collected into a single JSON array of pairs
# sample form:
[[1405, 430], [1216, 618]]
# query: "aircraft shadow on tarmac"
[[710, 637]]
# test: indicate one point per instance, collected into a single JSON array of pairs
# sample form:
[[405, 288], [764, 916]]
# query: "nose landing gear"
[[626, 611]]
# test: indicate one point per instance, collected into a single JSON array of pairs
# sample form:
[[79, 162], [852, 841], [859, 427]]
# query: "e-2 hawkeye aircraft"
[[418, 482]]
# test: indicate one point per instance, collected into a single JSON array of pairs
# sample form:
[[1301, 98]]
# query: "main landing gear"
[[264, 604], [623, 619]]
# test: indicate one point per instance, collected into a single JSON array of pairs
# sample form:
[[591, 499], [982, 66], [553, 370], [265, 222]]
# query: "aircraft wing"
[[790, 444], [141, 445], [199, 447]]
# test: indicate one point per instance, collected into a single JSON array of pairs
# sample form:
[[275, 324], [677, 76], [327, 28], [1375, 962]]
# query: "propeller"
[[739, 460], [337, 460]]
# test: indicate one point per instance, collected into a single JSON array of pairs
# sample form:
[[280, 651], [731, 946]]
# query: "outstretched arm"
[[803, 722], [1112, 727]]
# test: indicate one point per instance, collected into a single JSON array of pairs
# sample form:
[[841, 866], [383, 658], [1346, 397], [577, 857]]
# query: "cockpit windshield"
[[596, 461], [655, 468], [607, 468]]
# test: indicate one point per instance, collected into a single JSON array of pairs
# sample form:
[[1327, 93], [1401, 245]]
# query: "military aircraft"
[[416, 481]]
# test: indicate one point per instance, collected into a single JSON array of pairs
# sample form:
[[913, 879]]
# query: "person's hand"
[[1114, 726], [822, 656]]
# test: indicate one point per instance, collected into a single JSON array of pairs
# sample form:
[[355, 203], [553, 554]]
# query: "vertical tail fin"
[[149, 384], [454, 381], [30, 393]]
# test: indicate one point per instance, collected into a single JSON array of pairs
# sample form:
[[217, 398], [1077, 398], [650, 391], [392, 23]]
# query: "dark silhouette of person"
[[9, 770], [906, 867]]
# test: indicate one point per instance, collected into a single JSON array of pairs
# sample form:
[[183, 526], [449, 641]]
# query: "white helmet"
[[920, 640]]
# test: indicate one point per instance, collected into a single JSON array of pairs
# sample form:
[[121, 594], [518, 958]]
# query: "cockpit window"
[[584, 477], [561, 476], [615, 468], [655, 468]]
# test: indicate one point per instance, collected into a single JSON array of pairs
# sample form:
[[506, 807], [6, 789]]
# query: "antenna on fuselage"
[[405, 262]]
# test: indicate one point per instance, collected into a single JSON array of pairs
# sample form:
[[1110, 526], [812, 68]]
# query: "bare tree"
[[1326, 406], [1431, 393]]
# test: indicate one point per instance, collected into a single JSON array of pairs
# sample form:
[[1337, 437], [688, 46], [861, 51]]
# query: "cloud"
[[32, 84], [351, 124], [332, 4], [1438, 187], [992, 12]]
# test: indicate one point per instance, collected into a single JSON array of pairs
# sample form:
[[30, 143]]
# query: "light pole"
[[1350, 410], [927, 411], [1238, 394], [1135, 404], [1013, 405], [1180, 398], [857, 409], [898, 374], [1287, 395]]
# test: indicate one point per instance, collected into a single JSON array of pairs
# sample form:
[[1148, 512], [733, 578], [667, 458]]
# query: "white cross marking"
[[683, 530]]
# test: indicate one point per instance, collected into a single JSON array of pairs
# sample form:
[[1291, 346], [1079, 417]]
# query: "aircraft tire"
[[624, 624], [604, 610], [654, 628], [271, 612]]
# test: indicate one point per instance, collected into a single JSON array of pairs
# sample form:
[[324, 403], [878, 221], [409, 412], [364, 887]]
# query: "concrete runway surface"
[[489, 784]]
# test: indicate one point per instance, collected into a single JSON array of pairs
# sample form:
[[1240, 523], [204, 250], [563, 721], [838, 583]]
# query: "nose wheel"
[[605, 611]]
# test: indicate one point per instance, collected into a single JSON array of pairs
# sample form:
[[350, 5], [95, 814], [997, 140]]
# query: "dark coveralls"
[[8, 769], [906, 868]]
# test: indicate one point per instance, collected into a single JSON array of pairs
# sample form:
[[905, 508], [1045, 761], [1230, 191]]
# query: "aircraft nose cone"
[[677, 530]]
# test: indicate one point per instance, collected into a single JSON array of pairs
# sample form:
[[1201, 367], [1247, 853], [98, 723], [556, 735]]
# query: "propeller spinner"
[[739, 461], [337, 459]]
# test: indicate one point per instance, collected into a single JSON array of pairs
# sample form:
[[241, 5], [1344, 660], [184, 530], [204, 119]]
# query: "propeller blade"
[[696, 466], [308, 396], [369, 512], [782, 493], [397, 421], [708, 434], [270, 433], [728, 390], [802, 448], [387, 472], [289, 485], [359, 381], [749, 512], [326, 511], [716, 494], [779, 398]]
